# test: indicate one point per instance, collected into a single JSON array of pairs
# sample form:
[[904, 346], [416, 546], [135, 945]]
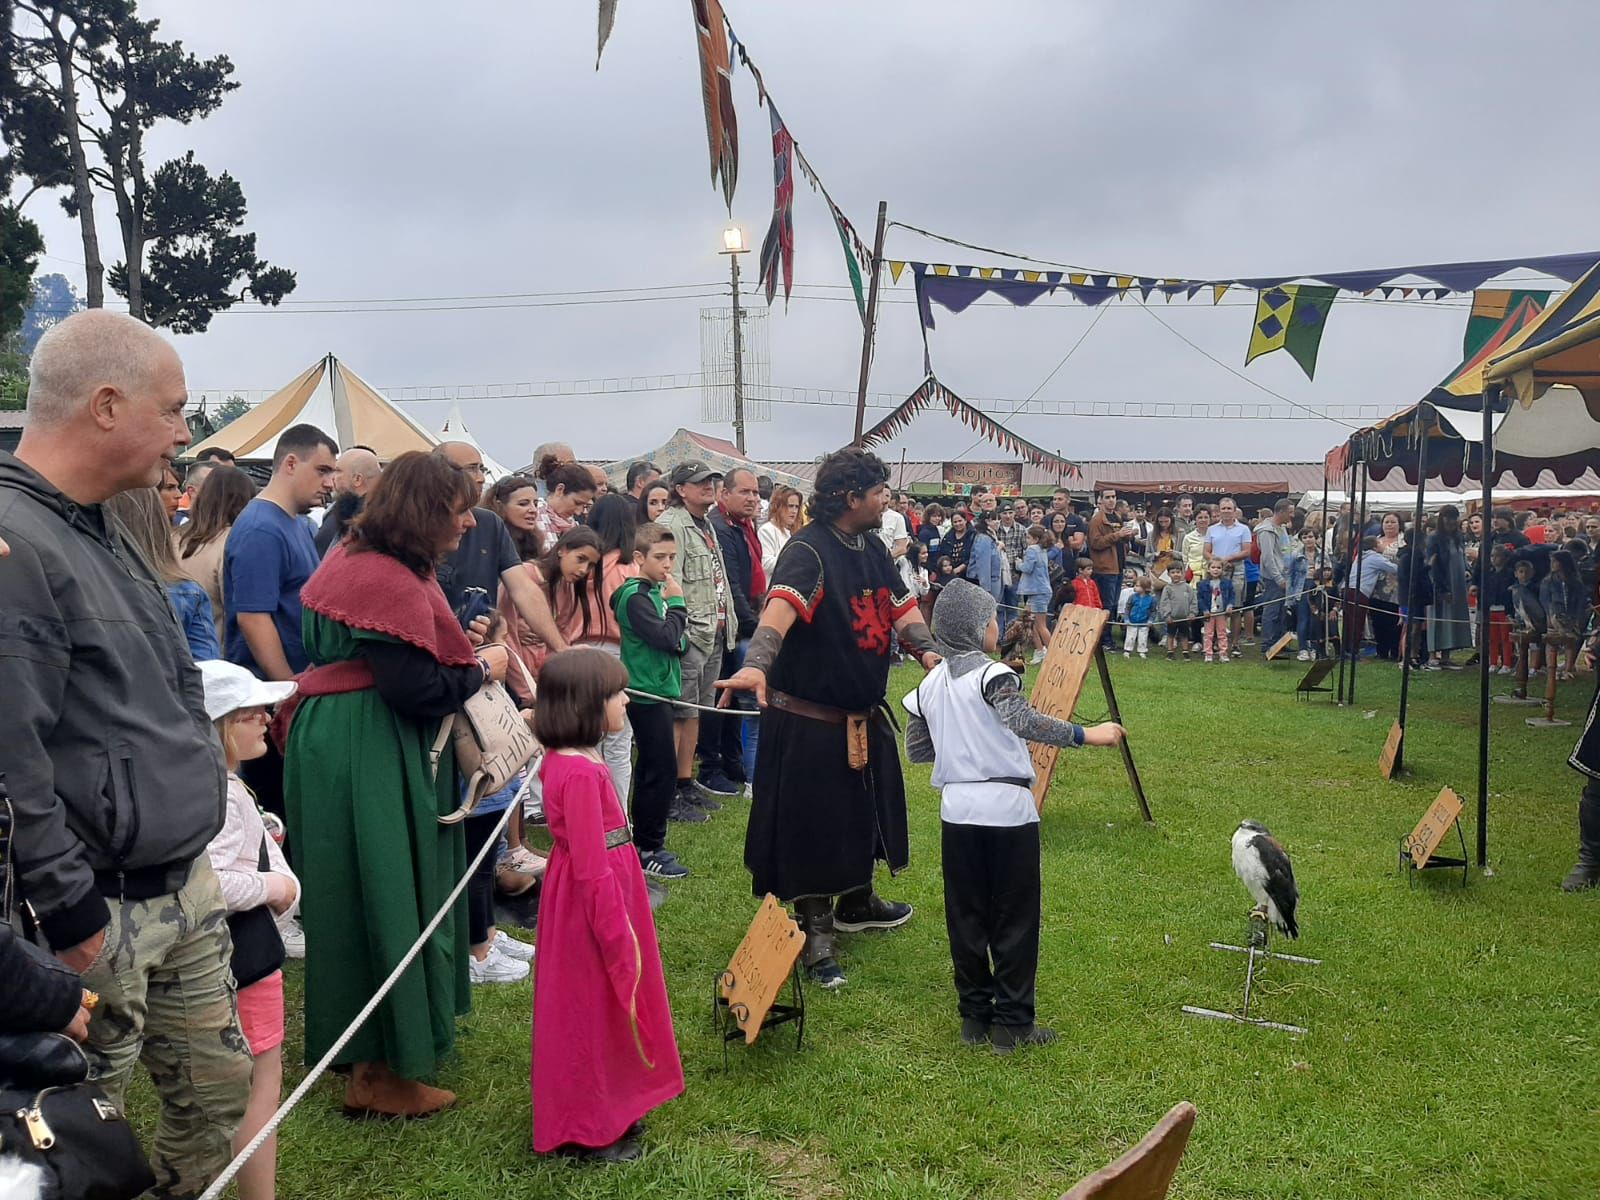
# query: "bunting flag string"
[[777, 248], [931, 391], [716, 89], [858, 258]]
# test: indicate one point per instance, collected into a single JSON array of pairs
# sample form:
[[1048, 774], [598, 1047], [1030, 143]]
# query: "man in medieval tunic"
[[829, 797]]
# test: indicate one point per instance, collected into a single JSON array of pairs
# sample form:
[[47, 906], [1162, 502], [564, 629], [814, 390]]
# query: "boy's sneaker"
[[974, 1032], [1127, 654], [1006, 1038], [1144, 654], [1186, 656], [294, 938], [683, 808], [1208, 658], [495, 967], [662, 864], [1170, 657], [1038, 656], [508, 947], [717, 782], [1303, 656], [827, 973], [873, 913]]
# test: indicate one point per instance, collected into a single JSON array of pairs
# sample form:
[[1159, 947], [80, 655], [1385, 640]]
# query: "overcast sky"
[[397, 149]]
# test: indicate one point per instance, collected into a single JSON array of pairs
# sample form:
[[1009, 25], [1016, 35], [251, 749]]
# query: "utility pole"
[[871, 321], [733, 246]]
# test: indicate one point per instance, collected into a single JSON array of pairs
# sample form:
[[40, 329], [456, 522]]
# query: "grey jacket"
[[111, 762]]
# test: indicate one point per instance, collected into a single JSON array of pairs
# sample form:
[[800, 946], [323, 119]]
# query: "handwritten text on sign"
[[760, 965], [1430, 831], [1060, 681]]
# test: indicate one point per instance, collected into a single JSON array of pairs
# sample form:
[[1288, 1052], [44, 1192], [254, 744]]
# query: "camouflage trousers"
[[167, 999]]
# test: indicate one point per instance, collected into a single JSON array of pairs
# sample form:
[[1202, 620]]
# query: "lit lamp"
[[733, 246]]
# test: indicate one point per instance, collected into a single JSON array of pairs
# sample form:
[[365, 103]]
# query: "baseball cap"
[[693, 471], [229, 688]]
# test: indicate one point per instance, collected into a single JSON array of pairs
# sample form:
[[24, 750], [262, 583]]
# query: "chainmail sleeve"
[[1003, 691]]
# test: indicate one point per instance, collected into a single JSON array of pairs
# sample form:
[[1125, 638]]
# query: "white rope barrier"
[[316, 1072]]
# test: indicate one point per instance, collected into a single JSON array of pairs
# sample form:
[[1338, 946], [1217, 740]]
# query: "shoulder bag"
[[492, 740]]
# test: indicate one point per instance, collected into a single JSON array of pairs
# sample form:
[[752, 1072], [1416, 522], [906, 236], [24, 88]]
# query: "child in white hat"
[[258, 887]]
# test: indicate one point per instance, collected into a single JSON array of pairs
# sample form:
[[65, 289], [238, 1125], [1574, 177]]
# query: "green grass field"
[[1453, 1034]]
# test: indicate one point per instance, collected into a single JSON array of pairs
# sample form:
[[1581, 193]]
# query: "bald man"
[[113, 767], [487, 559], [354, 473]]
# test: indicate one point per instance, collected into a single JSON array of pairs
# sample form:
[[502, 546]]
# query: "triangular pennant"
[[988, 272], [1124, 282], [1146, 286], [941, 268], [1052, 277], [919, 268], [1274, 311], [1310, 318], [1405, 292], [895, 267], [1387, 292], [964, 272], [1077, 278], [1032, 276], [1218, 291]]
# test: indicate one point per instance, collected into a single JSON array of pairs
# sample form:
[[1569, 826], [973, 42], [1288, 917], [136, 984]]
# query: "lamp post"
[[733, 246]]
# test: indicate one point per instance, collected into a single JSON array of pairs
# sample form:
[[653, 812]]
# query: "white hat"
[[230, 688]]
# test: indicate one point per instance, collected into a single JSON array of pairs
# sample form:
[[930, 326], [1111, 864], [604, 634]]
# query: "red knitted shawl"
[[371, 591]]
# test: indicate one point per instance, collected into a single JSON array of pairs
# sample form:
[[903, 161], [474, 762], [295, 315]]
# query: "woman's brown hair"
[[574, 686], [144, 518], [222, 496], [572, 478], [412, 509], [527, 541], [587, 589], [780, 499]]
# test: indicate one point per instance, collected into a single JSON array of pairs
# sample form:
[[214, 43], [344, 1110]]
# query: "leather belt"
[[620, 836], [811, 710]]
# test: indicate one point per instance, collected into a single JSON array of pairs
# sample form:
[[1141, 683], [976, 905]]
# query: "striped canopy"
[[1561, 347]]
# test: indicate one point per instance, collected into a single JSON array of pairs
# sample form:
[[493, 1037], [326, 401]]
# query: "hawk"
[[1264, 869]]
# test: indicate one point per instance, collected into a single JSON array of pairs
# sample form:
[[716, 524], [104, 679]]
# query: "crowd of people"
[[230, 709]]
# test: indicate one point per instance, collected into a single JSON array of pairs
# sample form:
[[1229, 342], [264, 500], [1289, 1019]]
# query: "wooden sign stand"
[[1391, 750], [1280, 646], [743, 998], [1417, 847], [1318, 671], [1075, 642]]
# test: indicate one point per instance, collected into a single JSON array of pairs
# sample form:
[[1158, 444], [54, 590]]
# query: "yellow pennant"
[[894, 270], [1218, 291], [1032, 276], [988, 272], [1124, 282], [941, 268], [1078, 278]]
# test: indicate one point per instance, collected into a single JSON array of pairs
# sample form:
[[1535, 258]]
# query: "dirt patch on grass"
[[795, 1169]]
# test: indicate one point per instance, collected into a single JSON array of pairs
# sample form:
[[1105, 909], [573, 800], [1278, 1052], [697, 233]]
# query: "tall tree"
[[200, 260], [54, 300], [67, 42]]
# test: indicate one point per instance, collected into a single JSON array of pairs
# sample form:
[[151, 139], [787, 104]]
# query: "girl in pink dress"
[[604, 1054]]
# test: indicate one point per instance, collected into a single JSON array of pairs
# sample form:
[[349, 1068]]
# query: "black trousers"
[[1110, 592], [720, 743], [1385, 628], [480, 888], [1589, 824], [991, 911], [655, 773]]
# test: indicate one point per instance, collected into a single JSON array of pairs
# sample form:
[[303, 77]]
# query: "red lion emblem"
[[871, 620]]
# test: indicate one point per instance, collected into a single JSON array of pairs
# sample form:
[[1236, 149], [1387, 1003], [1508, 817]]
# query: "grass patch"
[[1452, 1032]]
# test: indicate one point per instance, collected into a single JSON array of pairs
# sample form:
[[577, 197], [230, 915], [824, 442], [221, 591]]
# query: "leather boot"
[[1586, 874], [819, 955], [376, 1091]]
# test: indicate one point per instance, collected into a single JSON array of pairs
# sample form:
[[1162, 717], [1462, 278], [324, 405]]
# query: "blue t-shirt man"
[[269, 557]]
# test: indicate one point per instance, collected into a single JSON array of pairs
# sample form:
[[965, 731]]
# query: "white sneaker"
[[294, 938], [508, 947], [495, 967], [1038, 656]]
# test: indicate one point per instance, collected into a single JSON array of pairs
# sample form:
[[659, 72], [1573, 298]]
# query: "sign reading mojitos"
[[1003, 479]]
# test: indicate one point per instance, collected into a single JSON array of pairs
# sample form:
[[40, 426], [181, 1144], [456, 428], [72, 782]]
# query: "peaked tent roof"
[[337, 401], [686, 444], [1561, 347], [455, 429]]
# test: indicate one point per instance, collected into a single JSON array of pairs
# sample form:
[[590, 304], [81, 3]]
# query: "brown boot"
[[376, 1091]]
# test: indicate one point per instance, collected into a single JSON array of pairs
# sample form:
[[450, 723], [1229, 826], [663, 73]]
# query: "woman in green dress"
[[390, 661]]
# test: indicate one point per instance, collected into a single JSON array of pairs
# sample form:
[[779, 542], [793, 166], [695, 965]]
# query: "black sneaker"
[[719, 783], [1006, 1038], [874, 913], [974, 1032], [660, 864], [625, 1149], [1581, 878], [683, 809], [826, 974], [701, 799]]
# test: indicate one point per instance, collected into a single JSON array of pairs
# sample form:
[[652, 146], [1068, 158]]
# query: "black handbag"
[[51, 1117], [257, 944]]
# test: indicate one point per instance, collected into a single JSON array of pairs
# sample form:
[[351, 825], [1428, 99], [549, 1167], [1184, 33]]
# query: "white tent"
[[337, 401], [455, 429], [717, 453]]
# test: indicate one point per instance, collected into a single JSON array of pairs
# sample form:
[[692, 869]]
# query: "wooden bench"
[[1145, 1172]]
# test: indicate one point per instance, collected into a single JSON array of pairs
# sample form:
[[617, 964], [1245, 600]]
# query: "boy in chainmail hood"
[[970, 719]]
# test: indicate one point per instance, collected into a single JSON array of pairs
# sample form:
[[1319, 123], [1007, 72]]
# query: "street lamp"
[[733, 246]]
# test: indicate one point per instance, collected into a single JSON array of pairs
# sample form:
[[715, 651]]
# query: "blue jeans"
[[1302, 621], [1270, 597]]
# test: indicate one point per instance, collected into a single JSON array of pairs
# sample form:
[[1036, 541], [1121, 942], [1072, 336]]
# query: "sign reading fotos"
[[1002, 479]]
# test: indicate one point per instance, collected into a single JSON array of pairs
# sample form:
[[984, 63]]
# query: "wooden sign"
[[1279, 646], [760, 966], [1002, 479], [1430, 831], [1391, 747], [1060, 681]]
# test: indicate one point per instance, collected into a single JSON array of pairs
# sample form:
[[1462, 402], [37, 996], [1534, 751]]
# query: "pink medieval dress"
[[604, 1054]]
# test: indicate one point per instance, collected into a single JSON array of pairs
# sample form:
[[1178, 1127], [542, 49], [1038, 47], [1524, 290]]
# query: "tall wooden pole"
[[869, 330], [1491, 398]]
